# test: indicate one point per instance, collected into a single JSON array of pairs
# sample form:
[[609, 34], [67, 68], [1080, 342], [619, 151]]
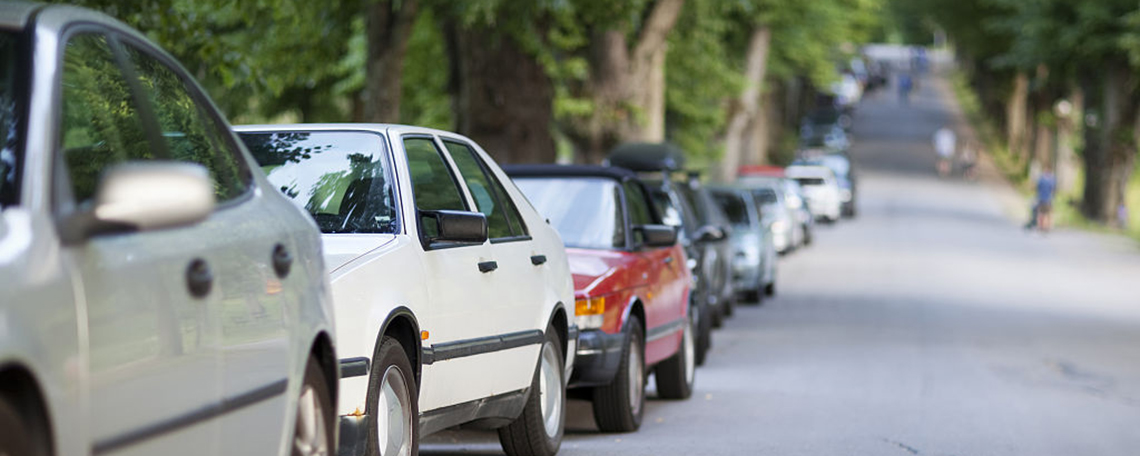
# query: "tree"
[[388, 25]]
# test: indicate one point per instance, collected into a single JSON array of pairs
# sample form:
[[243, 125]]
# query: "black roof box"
[[643, 157]]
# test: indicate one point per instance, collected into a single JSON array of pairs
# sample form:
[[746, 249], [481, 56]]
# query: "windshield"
[[733, 206], [584, 210], [9, 129], [341, 178]]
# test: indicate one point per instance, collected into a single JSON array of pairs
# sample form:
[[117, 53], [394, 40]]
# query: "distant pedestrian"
[[945, 144], [969, 159], [1046, 190], [905, 84]]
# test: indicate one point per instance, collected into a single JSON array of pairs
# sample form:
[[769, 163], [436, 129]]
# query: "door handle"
[[537, 259], [199, 278], [488, 266], [669, 260], [282, 261]]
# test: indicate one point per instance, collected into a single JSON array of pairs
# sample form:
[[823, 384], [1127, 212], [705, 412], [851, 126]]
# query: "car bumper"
[[598, 357]]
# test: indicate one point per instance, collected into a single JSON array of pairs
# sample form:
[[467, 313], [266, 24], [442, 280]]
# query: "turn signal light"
[[590, 306]]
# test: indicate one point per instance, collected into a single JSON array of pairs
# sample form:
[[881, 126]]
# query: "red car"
[[631, 287]]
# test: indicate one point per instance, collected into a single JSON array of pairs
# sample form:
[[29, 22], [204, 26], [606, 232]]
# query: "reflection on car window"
[[100, 125], [432, 184], [191, 135], [9, 67], [343, 179], [490, 198], [585, 210], [637, 201], [733, 206]]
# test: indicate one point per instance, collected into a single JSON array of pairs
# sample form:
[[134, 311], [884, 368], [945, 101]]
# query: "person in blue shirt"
[[1046, 190]]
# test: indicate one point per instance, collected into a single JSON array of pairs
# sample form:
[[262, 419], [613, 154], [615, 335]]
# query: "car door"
[[459, 283], [240, 245], [519, 282], [663, 274], [152, 337]]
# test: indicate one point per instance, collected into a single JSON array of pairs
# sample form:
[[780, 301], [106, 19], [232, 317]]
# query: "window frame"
[[494, 179], [464, 194]]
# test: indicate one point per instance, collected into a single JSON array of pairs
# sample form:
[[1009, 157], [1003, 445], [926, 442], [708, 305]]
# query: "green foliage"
[[425, 99]]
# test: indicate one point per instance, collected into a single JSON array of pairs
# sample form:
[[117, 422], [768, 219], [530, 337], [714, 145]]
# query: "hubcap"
[[310, 437], [690, 353], [550, 390], [636, 382], [394, 415]]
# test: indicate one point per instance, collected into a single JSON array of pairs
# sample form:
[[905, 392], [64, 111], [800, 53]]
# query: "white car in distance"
[[821, 189], [453, 297]]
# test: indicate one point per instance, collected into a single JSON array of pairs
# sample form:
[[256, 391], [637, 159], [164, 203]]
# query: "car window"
[[343, 179], [638, 203], [189, 131], [100, 125], [810, 180], [10, 67], [433, 186], [584, 210], [490, 198], [733, 206]]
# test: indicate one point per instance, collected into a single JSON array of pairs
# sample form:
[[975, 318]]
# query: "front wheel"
[[676, 375], [704, 331], [618, 407], [393, 405], [313, 430], [538, 430]]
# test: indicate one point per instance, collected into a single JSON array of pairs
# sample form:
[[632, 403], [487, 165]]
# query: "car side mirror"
[[657, 235], [143, 196], [459, 227], [710, 233]]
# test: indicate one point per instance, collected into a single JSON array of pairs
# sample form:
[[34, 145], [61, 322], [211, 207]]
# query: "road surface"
[[930, 325]]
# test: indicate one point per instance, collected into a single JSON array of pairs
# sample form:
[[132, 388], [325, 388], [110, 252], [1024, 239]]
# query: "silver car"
[[157, 295], [754, 256]]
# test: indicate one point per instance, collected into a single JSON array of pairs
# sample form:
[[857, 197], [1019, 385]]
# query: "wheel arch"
[[20, 387], [561, 323], [402, 325], [325, 353], [636, 309]]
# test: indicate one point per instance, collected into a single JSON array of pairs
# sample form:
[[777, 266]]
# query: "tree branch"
[[656, 29]]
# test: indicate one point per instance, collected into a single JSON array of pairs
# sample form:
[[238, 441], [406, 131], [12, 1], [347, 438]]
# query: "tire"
[[716, 315], [807, 235], [619, 406], [313, 431], [730, 306], [770, 289], [753, 296], [676, 375], [538, 430], [15, 436], [704, 332], [392, 380]]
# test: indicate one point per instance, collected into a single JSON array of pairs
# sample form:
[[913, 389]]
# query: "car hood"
[[341, 249], [599, 272]]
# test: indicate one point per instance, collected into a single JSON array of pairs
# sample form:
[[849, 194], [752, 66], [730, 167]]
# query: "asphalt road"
[[929, 325]]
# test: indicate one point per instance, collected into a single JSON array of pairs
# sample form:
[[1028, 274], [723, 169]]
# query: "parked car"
[[452, 294], [708, 213], [796, 201], [655, 164], [787, 234], [840, 164], [784, 199], [631, 287], [821, 189], [754, 259], [157, 296]]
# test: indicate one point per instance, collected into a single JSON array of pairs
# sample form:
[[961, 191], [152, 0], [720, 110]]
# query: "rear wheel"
[[538, 431], [770, 289], [675, 376], [619, 406], [313, 431], [15, 436], [393, 405]]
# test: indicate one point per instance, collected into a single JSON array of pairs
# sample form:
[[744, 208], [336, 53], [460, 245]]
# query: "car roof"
[[388, 129], [641, 157], [17, 14], [552, 170]]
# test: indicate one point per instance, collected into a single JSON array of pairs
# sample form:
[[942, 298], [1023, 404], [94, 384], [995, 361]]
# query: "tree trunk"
[[626, 86], [388, 25], [1068, 127], [1110, 142], [1016, 111], [746, 112], [503, 97]]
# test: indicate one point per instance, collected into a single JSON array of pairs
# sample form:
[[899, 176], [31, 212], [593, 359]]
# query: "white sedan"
[[157, 296], [454, 299], [824, 197]]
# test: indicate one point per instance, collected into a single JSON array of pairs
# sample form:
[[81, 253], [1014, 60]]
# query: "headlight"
[[589, 313]]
